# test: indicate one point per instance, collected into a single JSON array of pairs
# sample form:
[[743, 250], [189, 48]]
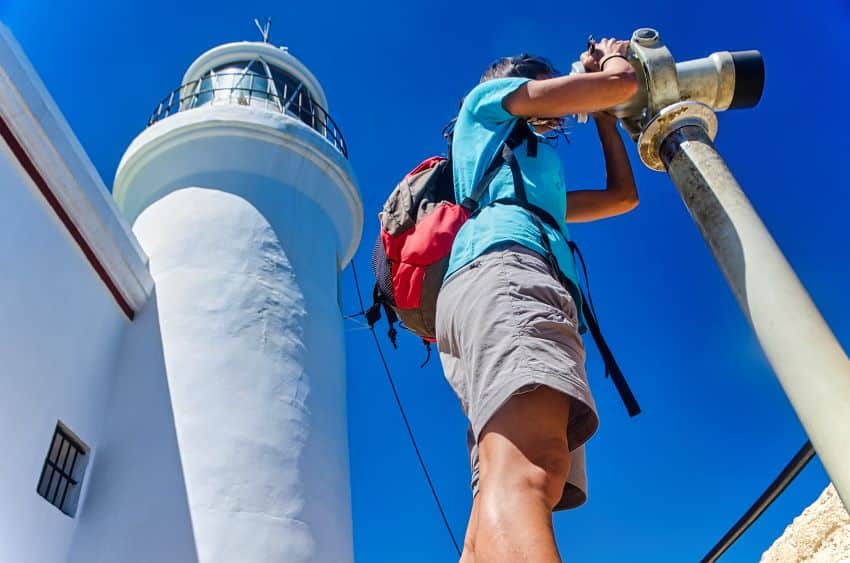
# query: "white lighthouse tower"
[[241, 194]]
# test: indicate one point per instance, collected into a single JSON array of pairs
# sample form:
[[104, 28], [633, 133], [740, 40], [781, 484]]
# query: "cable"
[[789, 472], [404, 418]]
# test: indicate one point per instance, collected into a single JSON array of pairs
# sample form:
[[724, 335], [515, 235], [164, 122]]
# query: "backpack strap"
[[538, 217], [373, 314], [427, 345], [612, 370], [520, 132]]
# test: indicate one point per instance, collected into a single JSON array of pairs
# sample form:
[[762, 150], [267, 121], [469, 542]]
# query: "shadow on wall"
[[135, 507]]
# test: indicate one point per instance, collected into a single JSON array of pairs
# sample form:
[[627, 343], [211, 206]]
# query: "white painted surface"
[[232, 436], [58, 340], [254, 349], [61, 328], [237, 148], [247, 216], [136, 506], [38, 124]]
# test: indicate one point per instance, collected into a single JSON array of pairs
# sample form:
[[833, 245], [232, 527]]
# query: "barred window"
[[63, 470]]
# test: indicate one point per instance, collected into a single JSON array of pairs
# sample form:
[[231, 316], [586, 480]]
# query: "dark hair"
[[522, 65]]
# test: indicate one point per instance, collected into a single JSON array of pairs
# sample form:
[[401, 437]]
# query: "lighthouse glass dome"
[[253, 83]]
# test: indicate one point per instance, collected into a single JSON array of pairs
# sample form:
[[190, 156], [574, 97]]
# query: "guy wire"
[[404, 418]]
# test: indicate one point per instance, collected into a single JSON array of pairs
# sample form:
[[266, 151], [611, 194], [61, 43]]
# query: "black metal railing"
[[250, 89], [788, 474]]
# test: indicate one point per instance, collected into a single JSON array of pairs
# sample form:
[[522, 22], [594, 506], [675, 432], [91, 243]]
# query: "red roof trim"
[[31, 169]]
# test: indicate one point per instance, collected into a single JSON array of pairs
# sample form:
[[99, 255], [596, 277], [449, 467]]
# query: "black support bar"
[[794, 467]]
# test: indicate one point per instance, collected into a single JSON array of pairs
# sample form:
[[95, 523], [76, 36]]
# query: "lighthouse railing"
[[233, 88]]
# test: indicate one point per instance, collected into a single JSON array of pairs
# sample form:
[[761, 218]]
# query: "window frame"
[[64, 446]]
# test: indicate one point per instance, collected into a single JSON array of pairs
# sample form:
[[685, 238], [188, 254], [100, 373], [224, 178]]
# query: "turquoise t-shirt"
[[482, 126]]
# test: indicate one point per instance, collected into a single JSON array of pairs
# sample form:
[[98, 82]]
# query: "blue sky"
[[716, 426]]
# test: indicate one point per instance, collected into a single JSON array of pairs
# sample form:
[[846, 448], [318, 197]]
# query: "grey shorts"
[[505, 324]]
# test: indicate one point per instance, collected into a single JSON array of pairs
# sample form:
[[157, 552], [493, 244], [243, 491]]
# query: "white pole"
[[811, 366]]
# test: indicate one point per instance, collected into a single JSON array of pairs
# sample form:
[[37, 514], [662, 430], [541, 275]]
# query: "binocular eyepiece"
[[747, 76], [723, 80]]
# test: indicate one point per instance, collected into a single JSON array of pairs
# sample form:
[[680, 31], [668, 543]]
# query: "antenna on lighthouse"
[[264, 29]]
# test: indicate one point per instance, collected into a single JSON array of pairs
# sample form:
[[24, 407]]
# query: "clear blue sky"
[[716, 426]]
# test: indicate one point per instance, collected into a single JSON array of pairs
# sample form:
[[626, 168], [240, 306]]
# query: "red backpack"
[[419, 222]]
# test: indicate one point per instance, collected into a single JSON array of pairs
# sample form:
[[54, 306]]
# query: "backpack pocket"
[[419, 260]]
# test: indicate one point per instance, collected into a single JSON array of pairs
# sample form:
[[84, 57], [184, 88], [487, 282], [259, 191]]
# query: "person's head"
[[527, 66], [522, 66]]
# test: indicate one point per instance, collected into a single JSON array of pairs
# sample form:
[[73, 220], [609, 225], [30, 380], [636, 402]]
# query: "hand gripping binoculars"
[[688, 92]]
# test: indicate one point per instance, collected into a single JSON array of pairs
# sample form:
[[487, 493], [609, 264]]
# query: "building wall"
[[136, 508], [69, 353], [81, 342], [59, 338], [72, 276]]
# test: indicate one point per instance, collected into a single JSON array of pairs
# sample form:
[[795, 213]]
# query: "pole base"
[[668, 120]]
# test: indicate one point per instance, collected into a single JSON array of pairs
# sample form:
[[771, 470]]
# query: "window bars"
[[62, 470]]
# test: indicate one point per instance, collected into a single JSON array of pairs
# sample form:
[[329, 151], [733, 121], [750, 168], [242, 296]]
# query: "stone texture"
[[821, 534]]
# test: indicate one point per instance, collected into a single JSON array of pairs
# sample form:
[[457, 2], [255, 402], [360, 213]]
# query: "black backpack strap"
[[471, 202], [612, 369], [520, 132], [373, 314], [427, 345], [539, 216]]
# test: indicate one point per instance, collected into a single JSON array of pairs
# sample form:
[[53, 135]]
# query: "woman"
[[507, 321]]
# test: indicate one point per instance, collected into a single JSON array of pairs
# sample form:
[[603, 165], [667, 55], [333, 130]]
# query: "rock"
[[821, 534]]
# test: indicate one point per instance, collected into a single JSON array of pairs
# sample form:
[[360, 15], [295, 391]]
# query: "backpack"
[[419, 222]]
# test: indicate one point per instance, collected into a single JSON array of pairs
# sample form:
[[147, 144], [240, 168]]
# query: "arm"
[[620, 195], [578, 93]]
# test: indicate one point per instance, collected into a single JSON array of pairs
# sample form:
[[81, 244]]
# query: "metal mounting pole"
[[811, 366], [672, 118]]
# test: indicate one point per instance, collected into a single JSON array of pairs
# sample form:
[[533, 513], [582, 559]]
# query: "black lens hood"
[[749, 79]]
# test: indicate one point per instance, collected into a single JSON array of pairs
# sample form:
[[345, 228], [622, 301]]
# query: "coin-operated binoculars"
[[673, 94], [672, 119]]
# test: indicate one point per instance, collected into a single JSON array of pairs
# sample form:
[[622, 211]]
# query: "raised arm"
[[620, 194], [610, 80], [596, 90]]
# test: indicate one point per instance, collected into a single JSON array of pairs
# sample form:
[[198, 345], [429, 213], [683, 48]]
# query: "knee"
[[547, 473], [542, 472]]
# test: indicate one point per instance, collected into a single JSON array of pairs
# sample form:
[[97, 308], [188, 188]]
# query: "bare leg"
[[524, 463], [468, 555]]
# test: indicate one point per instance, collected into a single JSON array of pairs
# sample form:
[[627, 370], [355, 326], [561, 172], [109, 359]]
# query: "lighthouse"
[[241, 194]]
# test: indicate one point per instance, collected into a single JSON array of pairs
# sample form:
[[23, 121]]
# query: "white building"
[[159, 399]]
